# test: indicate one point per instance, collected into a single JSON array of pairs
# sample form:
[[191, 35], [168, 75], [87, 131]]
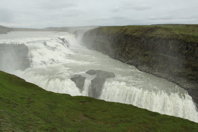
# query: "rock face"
[[97, 83], [169, 57]]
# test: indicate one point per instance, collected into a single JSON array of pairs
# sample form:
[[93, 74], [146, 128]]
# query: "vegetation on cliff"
[[26, 107], [187, 33]]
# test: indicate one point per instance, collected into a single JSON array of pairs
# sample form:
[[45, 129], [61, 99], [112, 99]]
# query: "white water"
[[53, 62]]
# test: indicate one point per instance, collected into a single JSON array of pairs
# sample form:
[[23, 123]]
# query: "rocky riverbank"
[[167, 51]]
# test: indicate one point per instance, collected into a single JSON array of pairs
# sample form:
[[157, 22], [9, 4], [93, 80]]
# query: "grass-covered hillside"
[[26, 107]]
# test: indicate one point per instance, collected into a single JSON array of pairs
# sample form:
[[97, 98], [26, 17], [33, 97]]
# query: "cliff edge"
[[167, 51]]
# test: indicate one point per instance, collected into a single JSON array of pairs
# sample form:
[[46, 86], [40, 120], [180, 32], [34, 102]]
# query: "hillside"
[[167, 51], [26, 107]]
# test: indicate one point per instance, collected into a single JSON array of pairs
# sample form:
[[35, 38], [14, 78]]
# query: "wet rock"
[[96, 87], [101, 74], [64, 42], [97, 83], [91, 72], [79, 80]]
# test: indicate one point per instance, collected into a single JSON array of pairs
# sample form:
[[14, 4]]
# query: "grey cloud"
[[5, 16], [136, 7], [172, 18], [45, 13], [142, 8], [131, 7], [51, 5]]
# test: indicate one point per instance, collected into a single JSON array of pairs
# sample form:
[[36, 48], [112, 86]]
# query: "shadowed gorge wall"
[[168, 51]]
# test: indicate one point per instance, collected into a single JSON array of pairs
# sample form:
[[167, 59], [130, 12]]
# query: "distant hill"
[[4, 29], [69, 29]]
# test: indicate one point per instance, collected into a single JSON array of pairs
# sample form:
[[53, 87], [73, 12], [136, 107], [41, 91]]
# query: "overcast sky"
[[56, 13]]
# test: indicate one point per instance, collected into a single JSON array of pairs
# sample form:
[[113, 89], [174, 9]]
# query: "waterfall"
[[55, 57]]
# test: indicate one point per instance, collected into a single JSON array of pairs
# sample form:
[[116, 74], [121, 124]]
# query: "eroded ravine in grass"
[[58, 63]]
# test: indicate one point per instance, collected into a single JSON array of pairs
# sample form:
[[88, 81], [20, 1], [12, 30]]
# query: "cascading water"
[[54, 58]]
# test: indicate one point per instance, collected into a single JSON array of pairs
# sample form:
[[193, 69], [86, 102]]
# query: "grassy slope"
[[26, 107], [188, 33]]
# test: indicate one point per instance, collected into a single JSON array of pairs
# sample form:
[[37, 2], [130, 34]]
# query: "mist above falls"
[[13, 57], [52, 59]]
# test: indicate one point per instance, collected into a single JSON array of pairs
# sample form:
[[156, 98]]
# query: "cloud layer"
[[47, 13]]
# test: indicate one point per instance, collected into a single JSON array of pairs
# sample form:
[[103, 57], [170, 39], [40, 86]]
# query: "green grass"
[[188, 33], [26, 107]]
